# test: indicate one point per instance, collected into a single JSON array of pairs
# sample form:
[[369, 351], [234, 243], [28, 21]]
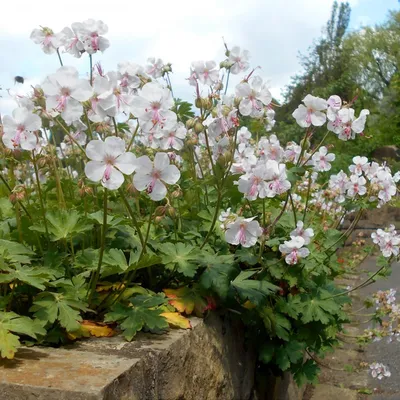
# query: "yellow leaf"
[[177, 320], [249, 305], [97, 329]]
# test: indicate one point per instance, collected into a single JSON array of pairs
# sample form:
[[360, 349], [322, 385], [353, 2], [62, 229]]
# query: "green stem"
[[91, 69], [95, 277], [308, 197], [133, 137], [213, 221], [316, 149], [40, 195], [59, 57], [227, 81], [133, 218], [115, 126], [293, 209]]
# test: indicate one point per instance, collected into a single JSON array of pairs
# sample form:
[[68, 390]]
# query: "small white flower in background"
[[243, 135], [128, 74], [109, 162], [79, 136], [306, 234], [172, 138], [338, 184], [254, 97], [227, 217], [48, 40], [380, 371], [238, 60], [293, 250], [359, 165], [244, 159], [356, 186], [64, 91], [18, 129], [71, 42], [152, 177], [270, 148], [205, 72], [152, 107], [346, 125], [321, 160], [334, 104], [292, 152], [154, 67], [388, 241], [243, 231], [311, 113], [90, 34], [396, 176]]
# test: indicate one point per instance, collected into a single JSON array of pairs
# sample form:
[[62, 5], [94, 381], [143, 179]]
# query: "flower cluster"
[[388, 241], [341, 119]]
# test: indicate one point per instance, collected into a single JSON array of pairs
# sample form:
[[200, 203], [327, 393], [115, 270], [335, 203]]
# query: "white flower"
[[89, 33], [238, 60], [128, 73], [359, 165], [71, 42], [173, 138], [311, 113], [64, 91], [254, 97], [109, 162], [293, 250], [243, 231], [334, 104], [48, 41], [205, 72], [152, 107], [321, 160], [18, 129], [388, 241], [356, 186], [306, 234], [155, 67], [345, 125], [152, 176], [243, 135]]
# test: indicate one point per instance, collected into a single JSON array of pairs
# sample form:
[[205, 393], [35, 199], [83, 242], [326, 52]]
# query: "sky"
[[177, 31]]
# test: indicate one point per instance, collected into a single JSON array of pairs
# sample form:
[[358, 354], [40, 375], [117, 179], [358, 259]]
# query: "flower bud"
[[198, 128], [207, 103], [306, 144], [190, 123], [171, 212], [158, 219], [177, 193], [198, 102], [160, 211]]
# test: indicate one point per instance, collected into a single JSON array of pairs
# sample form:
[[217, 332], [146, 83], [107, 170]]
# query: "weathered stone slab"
[[328, 392], [211, 361]]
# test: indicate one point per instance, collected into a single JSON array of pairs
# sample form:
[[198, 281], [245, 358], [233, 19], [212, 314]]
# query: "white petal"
[[170, 174], [94, 170], [115, 181], [114, 146], [159, 191], [161, 161], [126, 163], [95, 150]]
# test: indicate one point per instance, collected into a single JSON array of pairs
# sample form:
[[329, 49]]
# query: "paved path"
[[342, 376]]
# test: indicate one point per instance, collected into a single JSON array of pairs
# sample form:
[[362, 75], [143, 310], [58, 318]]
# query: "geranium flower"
[[48, 40], [18, 129], [152, 176], [254, 97], [293, 250], [152, 107], [155, 67], [109, 162], [321, 160], [311, 113], [243, 231], [173, 138], [64, 91], [89, 33], [205, 72], [306, 234], [238, 60]]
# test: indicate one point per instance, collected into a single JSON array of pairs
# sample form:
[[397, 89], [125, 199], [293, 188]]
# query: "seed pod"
[[190, 123], [199, 127]]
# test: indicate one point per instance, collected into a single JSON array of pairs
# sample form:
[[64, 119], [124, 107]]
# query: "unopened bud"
[[158, 219], [171, 212], [305, 143], [160, 211], [177, 193], [190, 123], [206, 103], [198, 127]]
